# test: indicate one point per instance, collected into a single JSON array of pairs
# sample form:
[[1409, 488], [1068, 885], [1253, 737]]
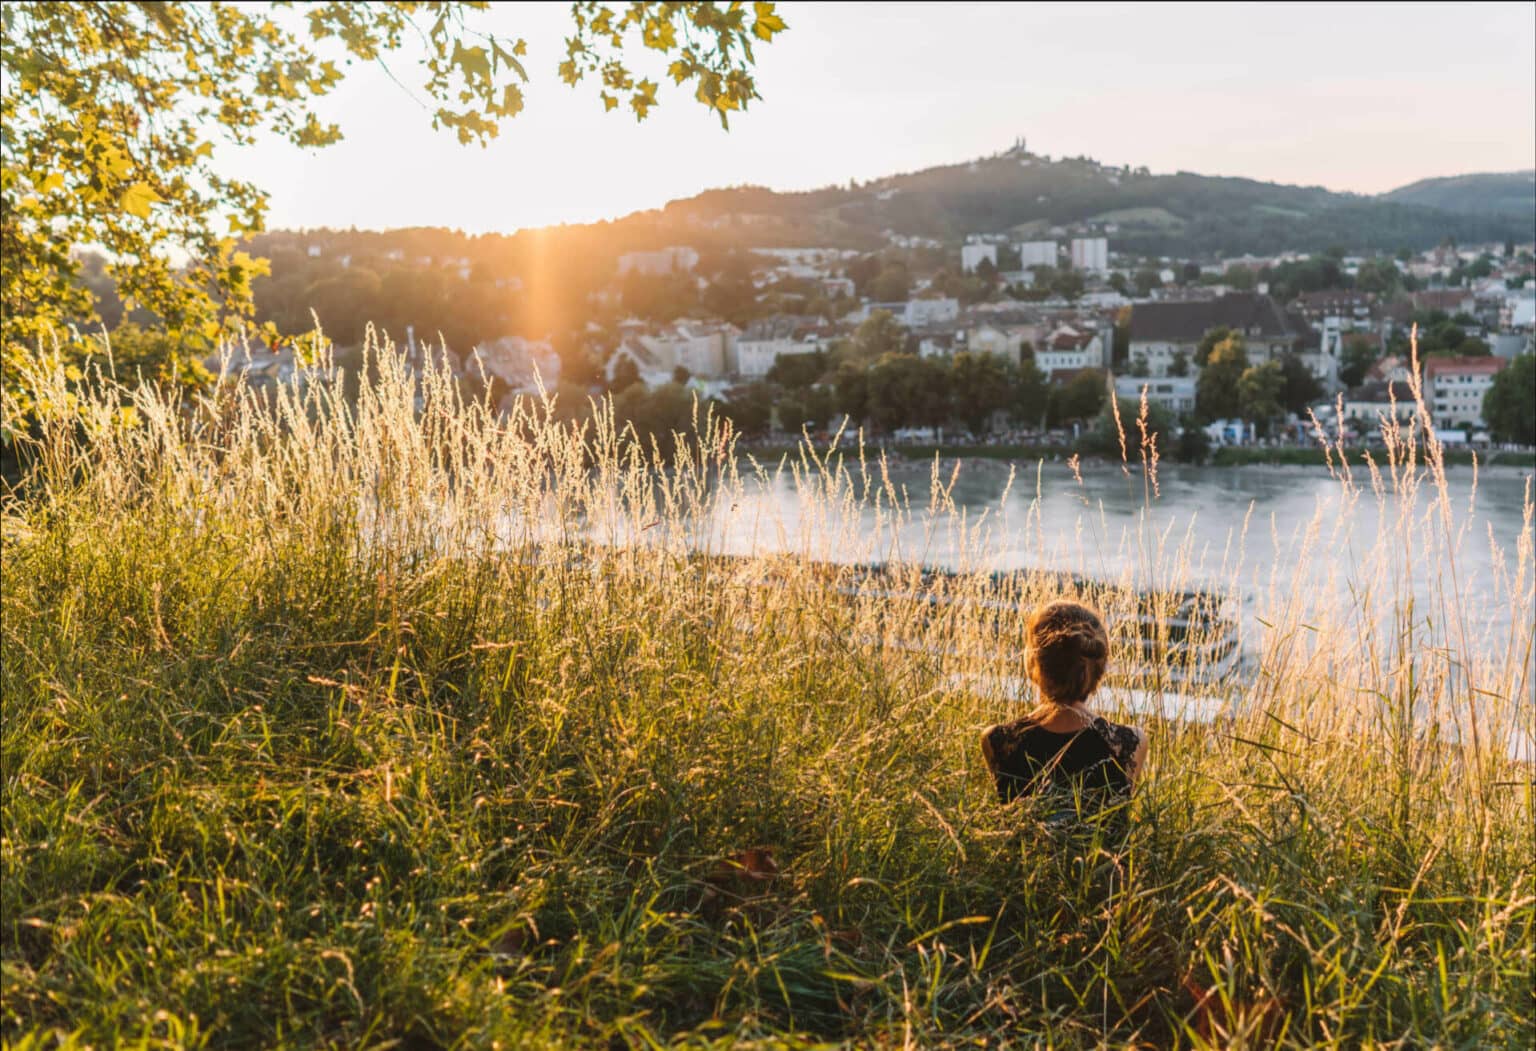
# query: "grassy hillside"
[[1181, 214], [362, 727], [1502, 193]]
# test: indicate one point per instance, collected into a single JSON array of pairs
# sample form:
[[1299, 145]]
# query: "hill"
[[1486, 193], [1183, 214]]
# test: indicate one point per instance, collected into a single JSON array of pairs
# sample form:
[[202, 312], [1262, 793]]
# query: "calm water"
[[1268, 530]]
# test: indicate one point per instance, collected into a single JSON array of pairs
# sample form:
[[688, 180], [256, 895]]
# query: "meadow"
[[395, 723]]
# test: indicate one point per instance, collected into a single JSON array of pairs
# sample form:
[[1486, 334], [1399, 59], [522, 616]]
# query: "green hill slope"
[[1179, 214], [1489, 193]]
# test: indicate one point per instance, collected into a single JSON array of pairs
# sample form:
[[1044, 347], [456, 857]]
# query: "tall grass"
[[397, 723]]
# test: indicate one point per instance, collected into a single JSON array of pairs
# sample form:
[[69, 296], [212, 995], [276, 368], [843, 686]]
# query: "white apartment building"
[[1455, 388], [920, 312], [700, 347], [1001, 340], [971, 256], [1037, 253], [1174, 393], [1069, 348], [763, 342], [1090, 253]]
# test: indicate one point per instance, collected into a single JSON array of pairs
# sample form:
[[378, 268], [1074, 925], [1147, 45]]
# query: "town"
[[993, 341]]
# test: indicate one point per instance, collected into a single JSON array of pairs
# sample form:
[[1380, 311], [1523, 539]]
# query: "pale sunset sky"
[[1358, 97]]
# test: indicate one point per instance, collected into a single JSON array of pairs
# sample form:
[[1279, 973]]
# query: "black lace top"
[[1024, 757]]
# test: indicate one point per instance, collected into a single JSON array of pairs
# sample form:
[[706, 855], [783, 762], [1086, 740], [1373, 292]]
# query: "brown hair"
[[1066, 651]]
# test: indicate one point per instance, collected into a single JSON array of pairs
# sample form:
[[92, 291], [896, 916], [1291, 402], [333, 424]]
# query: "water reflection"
[[1270, 532]]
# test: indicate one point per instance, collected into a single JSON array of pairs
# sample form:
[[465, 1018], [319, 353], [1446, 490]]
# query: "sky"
[[1356, 97]]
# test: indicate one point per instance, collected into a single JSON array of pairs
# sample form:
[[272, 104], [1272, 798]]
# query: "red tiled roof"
[[1486, 364]]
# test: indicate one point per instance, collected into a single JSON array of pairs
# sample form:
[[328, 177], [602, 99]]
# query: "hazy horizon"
[[1350, 101]]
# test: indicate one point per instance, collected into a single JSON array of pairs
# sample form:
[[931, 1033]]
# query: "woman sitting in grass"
[[1062, 745]]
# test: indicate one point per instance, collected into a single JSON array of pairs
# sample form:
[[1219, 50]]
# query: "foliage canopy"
[[112, 111]]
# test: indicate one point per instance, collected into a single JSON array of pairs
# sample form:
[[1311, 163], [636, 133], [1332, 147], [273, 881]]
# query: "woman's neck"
[[1059, 718]]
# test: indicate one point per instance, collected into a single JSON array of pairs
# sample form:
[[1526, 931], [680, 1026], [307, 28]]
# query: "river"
[[1268, 533]]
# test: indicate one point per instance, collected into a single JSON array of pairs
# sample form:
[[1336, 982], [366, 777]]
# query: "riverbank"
[[1225, 456]]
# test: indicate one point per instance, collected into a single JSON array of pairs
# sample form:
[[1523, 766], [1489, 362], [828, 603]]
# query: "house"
[[701, 347], [1390, 369], [765, 340], [522, 364], [1450, 300], [1454, 388], [1353, 309], [674, 259], [257, 365], [1074, 347], [1160, 330], [1002, 339], [1174, 393], [653, 372], [939, 342], [1376, 400]]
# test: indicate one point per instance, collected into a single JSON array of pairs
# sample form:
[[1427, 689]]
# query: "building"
[[701, 347], [1450, 300], [1454, 388], [914, 313], [1090, 253], [1037, 253], [1353, 309], [653, 372], [1161, 330], [1001, 339], [1390, 369], [920, 312], [766, 340], [1373, 401], [522, 364], [971, 256], [674, 259], [1323, 356], [1174, 393], [1074, 347]]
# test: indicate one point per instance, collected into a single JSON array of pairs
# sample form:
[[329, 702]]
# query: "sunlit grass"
[[334, 724]]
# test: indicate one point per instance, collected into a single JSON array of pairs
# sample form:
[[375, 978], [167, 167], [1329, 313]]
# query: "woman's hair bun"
[[1067, 650]]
